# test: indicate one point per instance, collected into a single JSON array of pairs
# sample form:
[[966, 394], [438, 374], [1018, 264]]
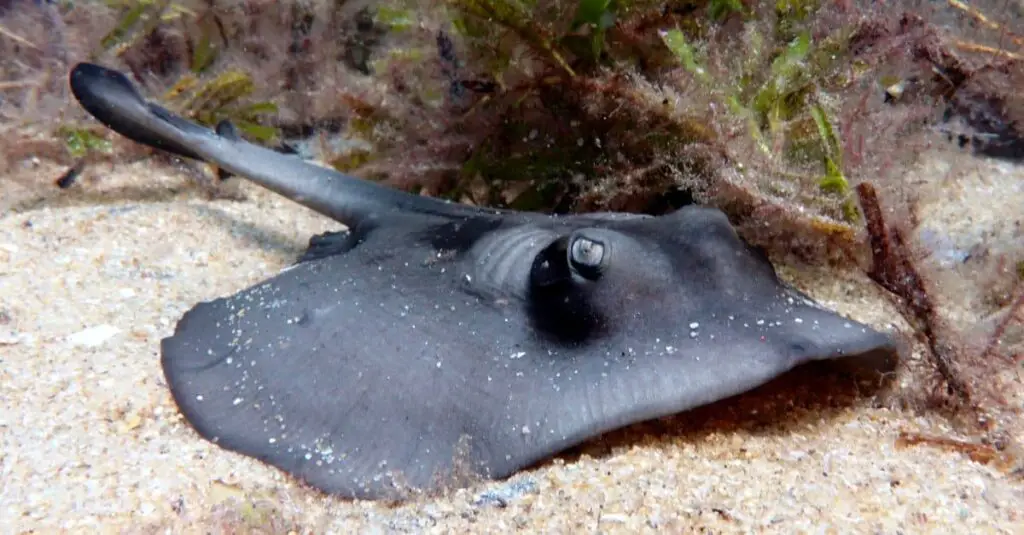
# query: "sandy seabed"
[[93, 277]]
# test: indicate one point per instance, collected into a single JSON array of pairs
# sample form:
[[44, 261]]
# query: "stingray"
[[430, 339]]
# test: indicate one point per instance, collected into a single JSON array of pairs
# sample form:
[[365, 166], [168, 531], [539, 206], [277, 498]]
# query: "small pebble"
[[9, 338], [93, 336]]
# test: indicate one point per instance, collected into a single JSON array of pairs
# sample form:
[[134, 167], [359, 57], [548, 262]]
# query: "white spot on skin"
[[237, 401], [694, 325]]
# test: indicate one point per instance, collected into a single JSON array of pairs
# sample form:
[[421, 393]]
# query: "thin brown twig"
[[975, 47], [17, 38], [893, 269], [16, 85], [977, 452], [984, 20]]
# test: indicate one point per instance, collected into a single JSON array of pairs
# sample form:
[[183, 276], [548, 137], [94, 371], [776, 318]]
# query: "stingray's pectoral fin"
[[112, 99], [291, 371]]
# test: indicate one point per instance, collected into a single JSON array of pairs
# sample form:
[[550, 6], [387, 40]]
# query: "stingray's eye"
[[588, 257]]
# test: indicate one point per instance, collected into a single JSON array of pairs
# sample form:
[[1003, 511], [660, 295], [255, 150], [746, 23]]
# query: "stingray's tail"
[[112, 99]]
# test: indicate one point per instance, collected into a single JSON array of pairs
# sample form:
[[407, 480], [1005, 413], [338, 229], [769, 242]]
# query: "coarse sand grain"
[[91, 279]]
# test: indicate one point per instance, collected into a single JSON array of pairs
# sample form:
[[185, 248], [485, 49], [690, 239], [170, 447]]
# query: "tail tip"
[[94, 85]]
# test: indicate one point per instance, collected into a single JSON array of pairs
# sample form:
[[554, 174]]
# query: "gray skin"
[[433, 339]]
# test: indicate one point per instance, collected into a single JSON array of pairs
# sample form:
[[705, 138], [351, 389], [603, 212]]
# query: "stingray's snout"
[[850, 346]]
